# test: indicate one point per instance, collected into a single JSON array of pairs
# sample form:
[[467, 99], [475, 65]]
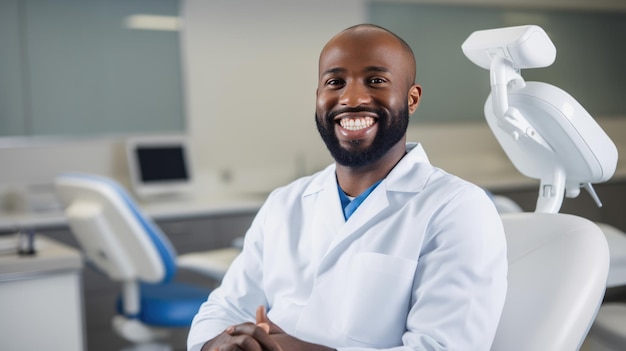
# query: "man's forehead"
[[371, 37], [356, 53], [365, 31], [367, 46]]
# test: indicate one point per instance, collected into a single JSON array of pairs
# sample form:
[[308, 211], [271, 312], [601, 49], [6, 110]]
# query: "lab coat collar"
[[412, 172], [409, 175]]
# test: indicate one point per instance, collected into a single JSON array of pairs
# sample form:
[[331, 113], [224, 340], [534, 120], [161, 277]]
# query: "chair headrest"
[[132, 243]]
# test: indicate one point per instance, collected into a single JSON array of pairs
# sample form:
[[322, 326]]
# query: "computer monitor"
[[159, 165]]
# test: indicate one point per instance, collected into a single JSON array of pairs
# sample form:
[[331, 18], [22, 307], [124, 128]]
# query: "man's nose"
[[354, 95]]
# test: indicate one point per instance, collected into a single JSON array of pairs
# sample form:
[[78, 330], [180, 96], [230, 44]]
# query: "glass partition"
[[590, 55], [76, 67]]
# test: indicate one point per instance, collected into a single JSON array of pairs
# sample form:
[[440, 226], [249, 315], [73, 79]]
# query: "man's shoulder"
[[416, 173], [304, 185], [452, 182]]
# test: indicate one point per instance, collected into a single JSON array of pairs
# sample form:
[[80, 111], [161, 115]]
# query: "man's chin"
[[355, 159]]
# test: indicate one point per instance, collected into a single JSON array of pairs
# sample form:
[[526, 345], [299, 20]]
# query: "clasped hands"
[[263, 335]]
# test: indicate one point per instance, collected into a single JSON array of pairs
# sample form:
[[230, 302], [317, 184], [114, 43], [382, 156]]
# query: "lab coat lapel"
[[407, 178], [330, 229], [322, 200], [357, 225], [375, 203]]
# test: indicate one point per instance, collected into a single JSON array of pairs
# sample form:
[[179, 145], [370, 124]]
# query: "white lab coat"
[[420, 265]]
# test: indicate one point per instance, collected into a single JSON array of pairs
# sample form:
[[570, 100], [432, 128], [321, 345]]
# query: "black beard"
[[391, 129]]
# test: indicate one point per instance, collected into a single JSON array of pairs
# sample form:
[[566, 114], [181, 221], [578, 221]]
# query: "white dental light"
[[544, 131]]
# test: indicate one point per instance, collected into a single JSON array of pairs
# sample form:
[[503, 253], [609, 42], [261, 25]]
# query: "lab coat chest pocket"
[[375, 302]]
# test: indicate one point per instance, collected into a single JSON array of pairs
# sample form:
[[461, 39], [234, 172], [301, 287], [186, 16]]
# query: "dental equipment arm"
[[544, 131]]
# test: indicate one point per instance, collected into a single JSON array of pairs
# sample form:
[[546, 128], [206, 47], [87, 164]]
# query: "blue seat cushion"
[[168, 305]]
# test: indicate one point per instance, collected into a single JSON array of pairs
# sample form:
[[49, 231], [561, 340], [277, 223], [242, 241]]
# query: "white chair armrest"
[[212, 263], [617, 249]]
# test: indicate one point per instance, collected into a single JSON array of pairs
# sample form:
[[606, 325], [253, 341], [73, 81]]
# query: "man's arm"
[[235, 300]]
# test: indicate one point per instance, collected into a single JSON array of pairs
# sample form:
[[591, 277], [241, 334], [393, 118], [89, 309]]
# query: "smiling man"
[[380, 250], [365, 94]]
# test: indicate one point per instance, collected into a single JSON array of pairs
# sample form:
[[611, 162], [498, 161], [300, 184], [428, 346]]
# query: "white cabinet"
[[41, 300]]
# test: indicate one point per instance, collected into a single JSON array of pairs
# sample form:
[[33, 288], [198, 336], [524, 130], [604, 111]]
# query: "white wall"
[[251, 74], [251, 70]]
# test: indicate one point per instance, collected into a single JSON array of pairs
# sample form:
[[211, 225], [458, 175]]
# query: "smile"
[[356, 123]]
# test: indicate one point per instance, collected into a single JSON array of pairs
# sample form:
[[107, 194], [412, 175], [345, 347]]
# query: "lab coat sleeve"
[[460, 281], [235, 301]]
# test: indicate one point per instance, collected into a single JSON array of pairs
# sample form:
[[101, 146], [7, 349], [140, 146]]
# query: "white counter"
[[161, 209]]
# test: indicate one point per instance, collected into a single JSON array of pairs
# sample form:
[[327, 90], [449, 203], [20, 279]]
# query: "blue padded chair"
[[121, 242]]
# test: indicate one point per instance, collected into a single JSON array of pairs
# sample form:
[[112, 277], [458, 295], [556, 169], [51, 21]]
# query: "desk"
[[41, 299], [158, 209]]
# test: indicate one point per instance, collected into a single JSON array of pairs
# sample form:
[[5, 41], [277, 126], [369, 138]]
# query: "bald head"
[[373, 36]]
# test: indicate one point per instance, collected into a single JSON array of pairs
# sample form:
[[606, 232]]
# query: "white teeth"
[[356, 123]]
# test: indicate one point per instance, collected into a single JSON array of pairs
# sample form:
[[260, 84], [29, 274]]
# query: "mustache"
[[331, 115]]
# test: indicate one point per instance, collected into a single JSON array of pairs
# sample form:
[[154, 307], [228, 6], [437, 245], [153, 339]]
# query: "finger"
[[248, 343], [261, 316], [240, 343], [264, 322], [243, 328], [267, 342], [228, 347], [255, 332], [264, 326], [248, 329]]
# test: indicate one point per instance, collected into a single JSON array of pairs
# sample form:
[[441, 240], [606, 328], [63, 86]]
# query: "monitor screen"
[[159, 165], [162, 163]]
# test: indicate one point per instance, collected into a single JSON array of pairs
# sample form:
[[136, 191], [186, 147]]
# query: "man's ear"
[[415, 93]]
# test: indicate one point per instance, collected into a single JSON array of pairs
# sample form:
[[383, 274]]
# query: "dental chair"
[[122, 243], [558, 263], [608, 332]]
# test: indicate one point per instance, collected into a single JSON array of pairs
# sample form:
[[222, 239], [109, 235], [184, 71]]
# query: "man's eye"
[[376, 80], [334, 82]]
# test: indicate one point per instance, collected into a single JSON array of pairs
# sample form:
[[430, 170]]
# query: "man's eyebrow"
[[377, 69], [336, 70]]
